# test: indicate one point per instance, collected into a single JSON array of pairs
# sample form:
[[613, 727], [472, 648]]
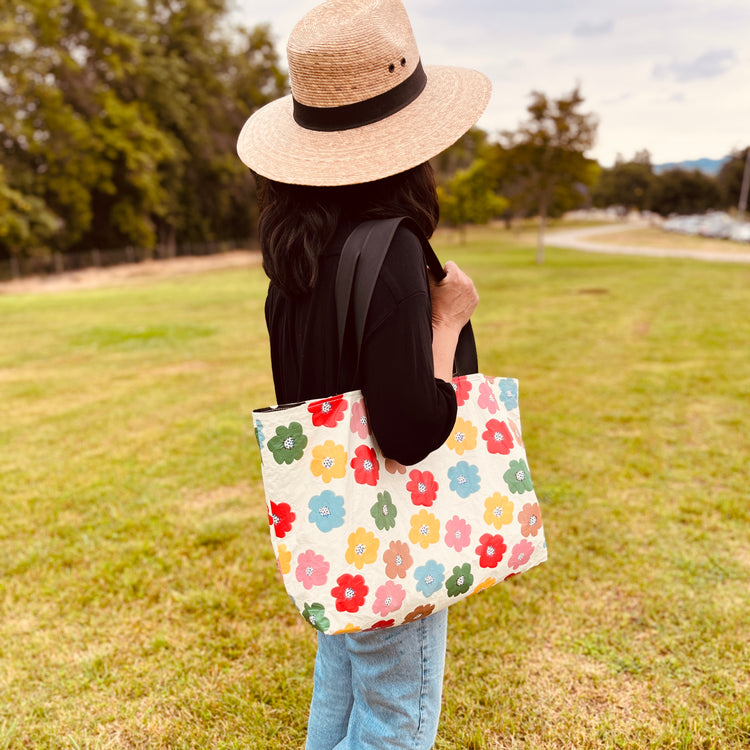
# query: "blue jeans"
[[379, 689]]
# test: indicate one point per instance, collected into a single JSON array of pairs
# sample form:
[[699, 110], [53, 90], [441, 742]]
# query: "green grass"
[[139, 602]]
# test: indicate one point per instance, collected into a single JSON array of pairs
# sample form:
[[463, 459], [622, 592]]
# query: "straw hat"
[[362, 105]]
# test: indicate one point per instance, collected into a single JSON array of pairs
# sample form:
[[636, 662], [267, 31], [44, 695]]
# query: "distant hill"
[[707, 166]]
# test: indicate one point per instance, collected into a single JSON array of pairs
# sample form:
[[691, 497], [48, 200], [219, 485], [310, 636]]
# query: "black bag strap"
[[359, 267]]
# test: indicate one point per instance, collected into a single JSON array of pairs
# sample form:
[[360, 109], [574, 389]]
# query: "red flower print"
[[423, 487], [491, 549], [350, 592], [281, 518], [487, 398], [462, 387], [328, 412], [381, 624], [498, 437], [365, 465]]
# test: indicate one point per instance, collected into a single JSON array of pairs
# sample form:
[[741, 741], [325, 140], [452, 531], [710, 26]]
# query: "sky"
[[670, 76]]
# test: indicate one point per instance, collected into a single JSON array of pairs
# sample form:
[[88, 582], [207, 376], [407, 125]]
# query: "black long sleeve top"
[[411, 412]]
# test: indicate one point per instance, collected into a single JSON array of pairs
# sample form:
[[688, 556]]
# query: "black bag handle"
[[359, 267]]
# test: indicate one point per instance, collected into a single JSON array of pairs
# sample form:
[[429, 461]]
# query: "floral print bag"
[[363, 542]]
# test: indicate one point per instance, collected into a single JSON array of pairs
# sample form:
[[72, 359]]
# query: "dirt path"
[[593, 240], [93, 278]]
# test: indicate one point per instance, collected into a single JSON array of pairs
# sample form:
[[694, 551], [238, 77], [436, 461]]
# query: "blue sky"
[[672, 76]]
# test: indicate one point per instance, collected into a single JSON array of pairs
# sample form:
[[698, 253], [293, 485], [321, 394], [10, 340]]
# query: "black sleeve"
[[411, 412]]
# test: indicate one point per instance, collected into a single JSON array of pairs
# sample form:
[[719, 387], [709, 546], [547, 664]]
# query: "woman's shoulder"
[[404, 272]]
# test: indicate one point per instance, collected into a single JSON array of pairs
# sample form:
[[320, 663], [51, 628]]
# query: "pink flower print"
[[487, 398], [358, 423], [457, 533], [388, 598], [312, 569], [462, 387], [521, 554]]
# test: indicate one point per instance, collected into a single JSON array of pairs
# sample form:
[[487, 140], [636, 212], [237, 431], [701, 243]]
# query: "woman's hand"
[[454, 299]]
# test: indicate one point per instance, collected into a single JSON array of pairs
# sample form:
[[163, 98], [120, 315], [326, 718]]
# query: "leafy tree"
[[472, 145], [628, 183], [684, 192], [729, 179], [468, 198], [121, 116], [547, 153]]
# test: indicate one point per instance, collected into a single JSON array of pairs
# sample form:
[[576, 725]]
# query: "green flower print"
[[315, 614], [288, 444], [517, 477], [461, 580], [384, 512]]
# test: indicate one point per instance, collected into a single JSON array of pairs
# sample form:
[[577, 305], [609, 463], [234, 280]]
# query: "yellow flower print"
[[348, 628], [363, 548], [425, 529], [463, 438], [284, 558], [485, 584], [329, 461], [498, 510]]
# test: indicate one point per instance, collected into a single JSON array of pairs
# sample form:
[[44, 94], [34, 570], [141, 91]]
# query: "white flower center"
[[326, 407], [498, 437], [367, 465], [461, 479], [276, 519], [324, 511], [532, 520], [312, 620], [399, 560], [490, 551], [459, 437], [424, 529], [387, 601], [384, 510], [460, 581], [429, 580], [497, 512], [309, 570], [363, 421], [349, 593], [289, 443], [520, 475], [328, 462], [422, 488], [360, 549]]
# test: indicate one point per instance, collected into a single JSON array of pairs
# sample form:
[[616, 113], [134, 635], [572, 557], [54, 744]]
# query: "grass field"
[[140, 604]]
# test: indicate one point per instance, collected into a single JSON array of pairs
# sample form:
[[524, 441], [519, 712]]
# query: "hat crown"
[[348, 51]]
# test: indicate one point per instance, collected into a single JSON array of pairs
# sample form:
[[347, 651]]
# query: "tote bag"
[[363, 542]]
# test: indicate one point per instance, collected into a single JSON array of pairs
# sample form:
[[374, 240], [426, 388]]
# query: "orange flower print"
[[530, 519], [498, 510], [417, 614], [397, 559], [362, 549], [329, 461], [485, 584], [425, 529], [463, 438]]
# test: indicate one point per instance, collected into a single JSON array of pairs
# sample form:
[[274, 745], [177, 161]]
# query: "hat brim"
[[273, 145]]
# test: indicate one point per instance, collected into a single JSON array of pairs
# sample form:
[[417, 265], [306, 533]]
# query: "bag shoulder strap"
[[359, 267]]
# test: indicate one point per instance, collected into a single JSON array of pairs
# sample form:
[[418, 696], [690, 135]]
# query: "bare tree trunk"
[[540, 235], [742, 205]]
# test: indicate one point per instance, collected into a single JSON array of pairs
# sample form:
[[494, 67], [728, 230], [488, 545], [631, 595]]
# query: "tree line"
[[118, 120], [118, 123]]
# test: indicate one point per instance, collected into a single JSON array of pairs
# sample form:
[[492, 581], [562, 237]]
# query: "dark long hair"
[[297, 221]]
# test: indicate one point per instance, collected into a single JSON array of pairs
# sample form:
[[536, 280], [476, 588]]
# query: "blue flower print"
[[326, 511], [464, 478], [508, 391], [259, 436], [429, 577]]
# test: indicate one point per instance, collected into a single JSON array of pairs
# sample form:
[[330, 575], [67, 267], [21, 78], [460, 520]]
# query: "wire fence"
[[17, 267]]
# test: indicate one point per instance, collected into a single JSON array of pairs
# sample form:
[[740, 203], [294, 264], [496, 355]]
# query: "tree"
[[468, 198], [628, 184], [121, 116], [729, 179], [678, 191], [547, 152]]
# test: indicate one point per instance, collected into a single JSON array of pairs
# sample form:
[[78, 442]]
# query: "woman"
[[350, 144]]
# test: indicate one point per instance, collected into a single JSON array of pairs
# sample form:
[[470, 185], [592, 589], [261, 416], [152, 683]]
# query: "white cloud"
[[710, 64]]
